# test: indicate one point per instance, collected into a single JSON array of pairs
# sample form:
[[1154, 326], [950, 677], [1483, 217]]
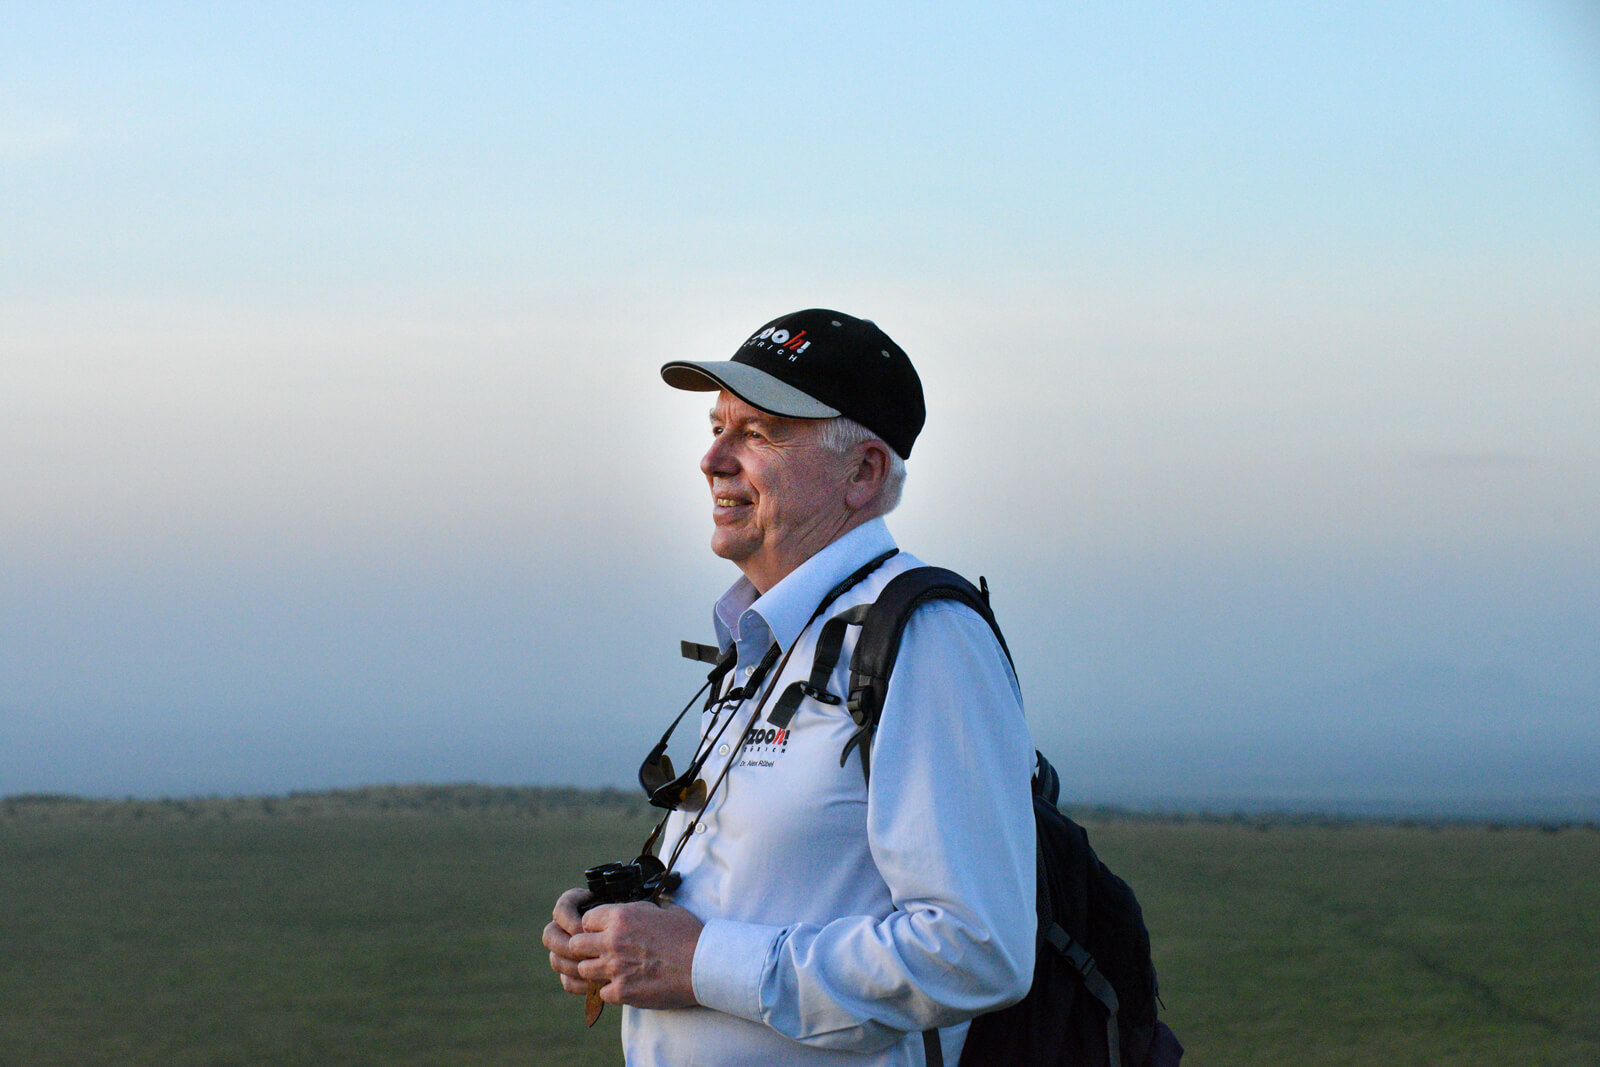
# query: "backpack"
[[1093, 999]]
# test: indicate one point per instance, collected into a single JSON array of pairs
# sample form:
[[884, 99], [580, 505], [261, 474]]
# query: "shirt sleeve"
[[950, 828]]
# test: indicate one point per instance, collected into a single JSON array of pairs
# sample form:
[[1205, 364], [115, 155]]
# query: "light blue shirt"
[[844, 919]]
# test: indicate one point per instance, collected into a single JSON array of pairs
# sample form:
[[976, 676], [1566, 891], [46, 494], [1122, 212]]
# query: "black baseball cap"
[[819, 364]]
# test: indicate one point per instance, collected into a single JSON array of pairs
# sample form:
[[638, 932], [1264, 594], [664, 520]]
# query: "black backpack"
[[1093, 1000]]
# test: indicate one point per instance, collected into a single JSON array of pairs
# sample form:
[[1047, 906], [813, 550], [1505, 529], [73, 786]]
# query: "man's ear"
[[868, 471]]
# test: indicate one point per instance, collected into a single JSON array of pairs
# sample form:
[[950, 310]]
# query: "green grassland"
[[401, 926]]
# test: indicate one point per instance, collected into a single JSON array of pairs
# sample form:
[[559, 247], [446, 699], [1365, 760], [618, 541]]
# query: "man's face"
[[778, 495]]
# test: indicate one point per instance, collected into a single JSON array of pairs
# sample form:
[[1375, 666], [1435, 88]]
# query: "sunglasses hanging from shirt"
[[688, 790], [667, 789]]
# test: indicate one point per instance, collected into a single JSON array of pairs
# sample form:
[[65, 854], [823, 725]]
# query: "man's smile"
[[726, 499]]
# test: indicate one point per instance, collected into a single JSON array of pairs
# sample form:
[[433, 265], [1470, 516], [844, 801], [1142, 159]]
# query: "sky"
[[1259, 341]]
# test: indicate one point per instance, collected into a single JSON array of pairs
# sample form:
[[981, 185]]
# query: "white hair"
[[842, 434]]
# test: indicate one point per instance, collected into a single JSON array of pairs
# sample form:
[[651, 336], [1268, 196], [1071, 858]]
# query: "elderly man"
[[824, 916]]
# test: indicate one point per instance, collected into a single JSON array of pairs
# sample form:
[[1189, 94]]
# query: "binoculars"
[[645, 878]]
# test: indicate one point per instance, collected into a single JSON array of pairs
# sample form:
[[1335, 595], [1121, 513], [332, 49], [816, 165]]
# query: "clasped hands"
[[641, 953]]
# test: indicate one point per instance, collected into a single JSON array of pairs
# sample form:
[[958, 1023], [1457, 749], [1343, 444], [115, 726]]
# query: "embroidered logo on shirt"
[[763, 747]]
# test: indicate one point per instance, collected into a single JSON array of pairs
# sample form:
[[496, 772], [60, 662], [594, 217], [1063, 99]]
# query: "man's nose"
[[718, 458]]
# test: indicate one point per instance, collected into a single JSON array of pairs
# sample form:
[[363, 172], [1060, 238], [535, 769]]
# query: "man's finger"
[[568, 912], [555, 939], [563, 965], [598, 918]]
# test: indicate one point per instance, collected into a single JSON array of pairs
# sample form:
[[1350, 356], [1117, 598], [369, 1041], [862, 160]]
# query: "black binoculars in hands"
[[645, 878]]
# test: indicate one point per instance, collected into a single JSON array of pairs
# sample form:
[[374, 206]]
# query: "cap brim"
[[755, 387]]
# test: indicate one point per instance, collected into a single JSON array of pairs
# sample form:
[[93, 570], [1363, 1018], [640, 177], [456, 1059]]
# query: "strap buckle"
[[818, 694]]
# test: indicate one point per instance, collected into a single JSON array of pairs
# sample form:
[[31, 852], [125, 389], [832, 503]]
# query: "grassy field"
[[401, 926]]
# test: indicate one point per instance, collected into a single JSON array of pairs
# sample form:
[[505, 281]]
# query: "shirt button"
[[723, 751], [699, 827], [748, 671]]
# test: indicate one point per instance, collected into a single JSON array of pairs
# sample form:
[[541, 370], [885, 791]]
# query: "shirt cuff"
[[729, 961]]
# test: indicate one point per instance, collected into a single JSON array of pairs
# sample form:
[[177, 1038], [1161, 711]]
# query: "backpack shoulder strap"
[[879, 644]]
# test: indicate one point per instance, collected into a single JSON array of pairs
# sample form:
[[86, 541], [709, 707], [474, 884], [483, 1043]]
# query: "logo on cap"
[[782, 338]]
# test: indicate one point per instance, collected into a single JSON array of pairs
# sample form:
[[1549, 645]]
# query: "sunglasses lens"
[[655, 773], [680, 794]]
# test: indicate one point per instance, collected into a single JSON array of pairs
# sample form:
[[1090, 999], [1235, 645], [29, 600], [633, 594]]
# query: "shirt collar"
[[783, 611]]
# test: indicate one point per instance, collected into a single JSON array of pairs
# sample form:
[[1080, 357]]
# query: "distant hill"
[[459, 799]]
